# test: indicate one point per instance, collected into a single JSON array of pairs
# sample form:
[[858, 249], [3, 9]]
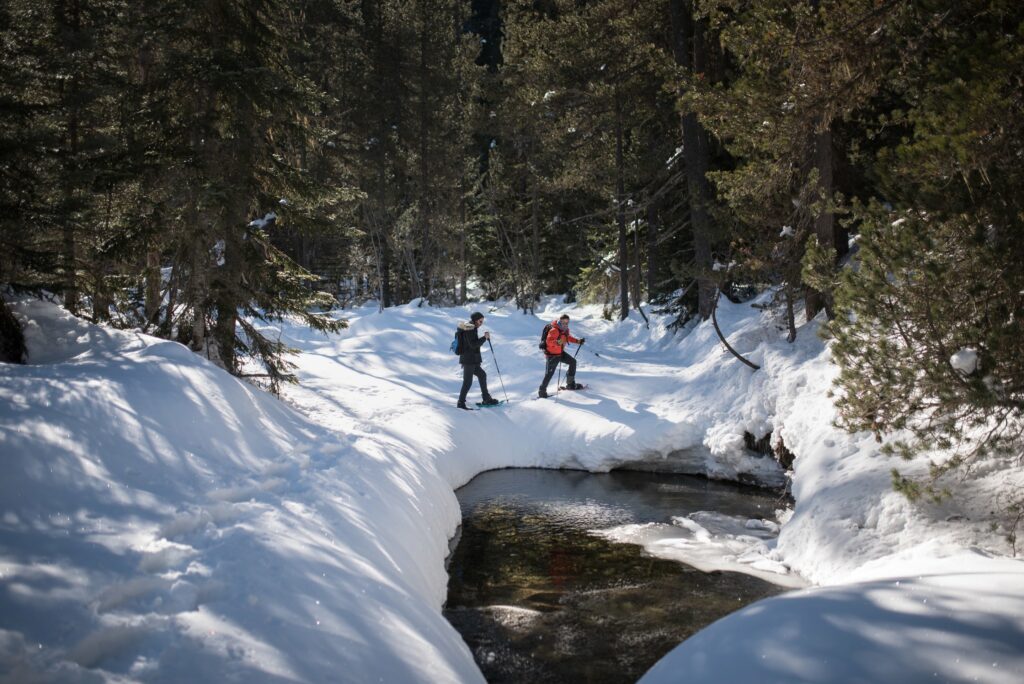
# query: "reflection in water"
[[539, 599]]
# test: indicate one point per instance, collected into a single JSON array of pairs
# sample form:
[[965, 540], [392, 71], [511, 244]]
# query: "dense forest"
[[190, 168]]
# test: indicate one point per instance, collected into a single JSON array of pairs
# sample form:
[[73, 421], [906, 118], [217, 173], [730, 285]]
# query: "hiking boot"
[[573, 385], [543, 393], [489, 401], [462, 405]]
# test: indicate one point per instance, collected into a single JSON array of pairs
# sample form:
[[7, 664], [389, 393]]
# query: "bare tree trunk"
[[725, 342], [620, 212]]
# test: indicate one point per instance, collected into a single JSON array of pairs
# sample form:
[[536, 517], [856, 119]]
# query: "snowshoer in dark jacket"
[[470, 358], [554, 350]]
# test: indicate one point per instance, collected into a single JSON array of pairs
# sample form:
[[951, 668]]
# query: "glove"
[[582, 340]]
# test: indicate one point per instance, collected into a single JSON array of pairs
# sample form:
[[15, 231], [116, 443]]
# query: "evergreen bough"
[[924, 289], [928, 329]]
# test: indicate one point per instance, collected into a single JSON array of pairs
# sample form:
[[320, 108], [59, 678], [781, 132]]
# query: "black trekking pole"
[[558, 383], [497, 369], [574, 358]]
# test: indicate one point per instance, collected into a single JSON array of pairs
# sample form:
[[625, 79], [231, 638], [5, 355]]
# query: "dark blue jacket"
[[470, 344]]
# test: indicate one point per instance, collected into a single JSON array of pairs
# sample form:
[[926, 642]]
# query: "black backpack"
[[544, 338]]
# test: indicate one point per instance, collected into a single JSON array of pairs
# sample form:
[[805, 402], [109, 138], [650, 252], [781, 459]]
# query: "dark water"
[[538, 599]]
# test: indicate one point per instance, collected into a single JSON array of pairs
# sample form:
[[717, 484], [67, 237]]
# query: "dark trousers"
[[468, 371], [553, 361]]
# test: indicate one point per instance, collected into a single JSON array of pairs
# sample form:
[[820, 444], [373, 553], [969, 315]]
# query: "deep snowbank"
[[162, 521], [933, 624]]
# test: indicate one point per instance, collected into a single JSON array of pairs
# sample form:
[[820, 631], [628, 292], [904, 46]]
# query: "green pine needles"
[[929, 339], [928, 327]]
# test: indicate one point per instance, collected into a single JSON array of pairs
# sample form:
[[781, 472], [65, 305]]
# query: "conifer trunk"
[[620, 213], [71, 14], [534, 244], [462, 247], [152, 301], [652, 249], [426, 252], [385, 272], [373, 18], [226, 301], [101, 301], [196, 291], [68, 262], [638, 281], [824, 222], [690, 51]]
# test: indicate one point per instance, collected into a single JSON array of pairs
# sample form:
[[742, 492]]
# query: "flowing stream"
[[539, 597]]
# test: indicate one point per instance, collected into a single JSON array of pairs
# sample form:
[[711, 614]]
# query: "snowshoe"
[[575, 386], [464, 407], [489, 404]]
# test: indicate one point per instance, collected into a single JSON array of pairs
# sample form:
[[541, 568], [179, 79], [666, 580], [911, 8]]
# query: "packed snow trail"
[[397, 364]]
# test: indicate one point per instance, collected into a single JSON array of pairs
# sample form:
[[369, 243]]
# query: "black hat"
[[476, 316]]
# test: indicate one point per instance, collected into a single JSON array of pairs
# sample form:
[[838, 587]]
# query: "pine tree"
[[928, 328], [24, 259], [580, 74], [800, 73]]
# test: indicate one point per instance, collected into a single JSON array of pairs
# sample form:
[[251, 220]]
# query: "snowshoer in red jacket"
[[558, 336]]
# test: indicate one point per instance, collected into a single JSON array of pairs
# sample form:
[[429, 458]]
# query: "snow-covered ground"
[[163, 521]]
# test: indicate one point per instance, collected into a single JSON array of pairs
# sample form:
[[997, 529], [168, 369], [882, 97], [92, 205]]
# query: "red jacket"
[[556, 339]]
